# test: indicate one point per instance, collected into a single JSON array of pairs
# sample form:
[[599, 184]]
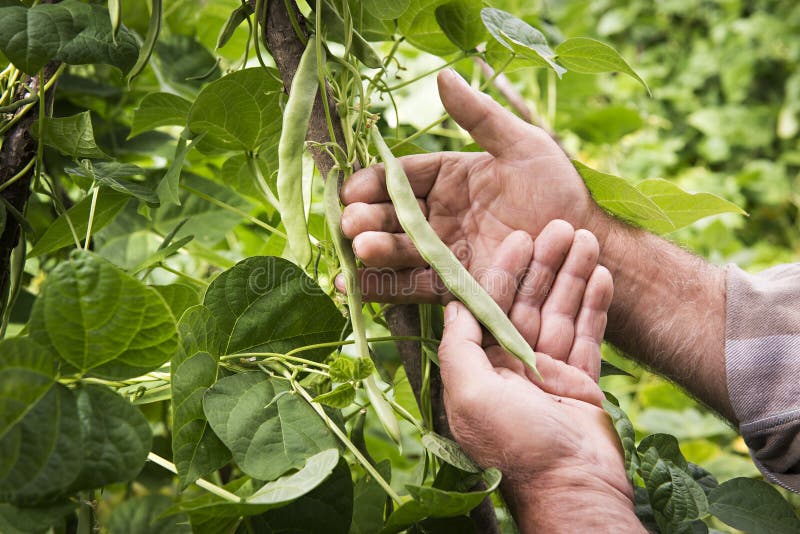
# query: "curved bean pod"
[[454, 275], [347, 260]]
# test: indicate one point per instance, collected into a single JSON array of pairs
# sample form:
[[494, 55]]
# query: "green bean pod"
[[454, 275], [296, 117], [347, 260]]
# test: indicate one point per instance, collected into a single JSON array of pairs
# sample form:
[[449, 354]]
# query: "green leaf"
[[681, 207], [449, 451], [38, 520], [153, 29], [100, 319], [162, 254], [369, 501], [111, 174], [340, 397], [197, 451], [268, 304], [207, 222], [27, 372], [143, 515], [116, 438], [268, 430], [238, 15], [72, 136], [159, 109], [753, 506], [240, 111], [620, 198], [290, 487], [168, 188], [179, 297], [606, 125], [41, 455], [58, 234], [419, 26], [676, 498], [520, 38], [590, 56], [627, 436], [70, 31], [461, 23], [345, 369], [434, 502], [387, 9]]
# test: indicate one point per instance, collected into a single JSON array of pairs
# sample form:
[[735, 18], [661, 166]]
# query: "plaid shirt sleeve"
[[762, 354]]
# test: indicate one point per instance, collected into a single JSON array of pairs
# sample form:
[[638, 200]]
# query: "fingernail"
[[340, 284], [450, 312], [456, 76]]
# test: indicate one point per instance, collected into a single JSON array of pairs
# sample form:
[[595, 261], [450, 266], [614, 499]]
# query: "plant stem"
[[19, 175], [347, 443], [92, 207], [458, 58], [202, 483], [182, 275], [351, 342]]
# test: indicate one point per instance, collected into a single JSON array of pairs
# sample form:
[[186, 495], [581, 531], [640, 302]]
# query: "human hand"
[[472, 200], [556, 446]]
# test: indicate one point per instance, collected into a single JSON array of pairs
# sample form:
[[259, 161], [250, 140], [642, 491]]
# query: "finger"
[[360, 217], [418, 286], [504, 274], [382, 249], [369, 185], [564, 301], [462, 361], [563, 380], [549, 250], [493, 127], [591, 323]]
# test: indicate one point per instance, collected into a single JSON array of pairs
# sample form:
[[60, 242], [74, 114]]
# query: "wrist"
[[573, 500]]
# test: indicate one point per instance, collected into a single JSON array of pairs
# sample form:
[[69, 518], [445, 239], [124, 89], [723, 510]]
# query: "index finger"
[[369, 185]]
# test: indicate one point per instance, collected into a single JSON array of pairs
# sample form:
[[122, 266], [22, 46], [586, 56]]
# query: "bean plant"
[[174, 354]]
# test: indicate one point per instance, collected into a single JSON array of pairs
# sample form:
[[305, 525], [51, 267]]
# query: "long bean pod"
[[454, 275], [347, 261], [296, 117]]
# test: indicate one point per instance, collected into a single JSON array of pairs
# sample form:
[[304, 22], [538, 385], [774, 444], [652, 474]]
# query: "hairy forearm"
[[668, 310]]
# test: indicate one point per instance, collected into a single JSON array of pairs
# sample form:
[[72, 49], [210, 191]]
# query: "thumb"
[[462, 361], [493, 127]]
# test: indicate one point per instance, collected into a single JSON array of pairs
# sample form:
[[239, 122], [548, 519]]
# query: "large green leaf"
[[681, 207], [27, 372], [33, 520], [620, 198], [267, 428], [70, 31], [116, 438], [419, 26], [435, 502], [179, 297], [449, 451], [240, 111], [627, 436], [58, 235], [369, 501], [113, 174], [41, 456], [160, 109], [387, 9], [290, 487], [606, 125], [268, 304], [520, 38], [207, 222], [590, 56], [143, 515], [461, 22], [753, 506], [196, 450], [72, 136], [100, 319], [675, 496]]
